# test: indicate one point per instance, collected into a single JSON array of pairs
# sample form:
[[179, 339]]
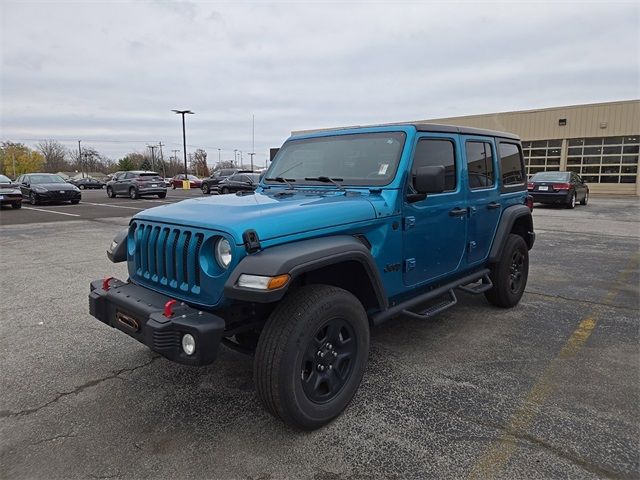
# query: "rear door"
[[483, 195], [435, 228]]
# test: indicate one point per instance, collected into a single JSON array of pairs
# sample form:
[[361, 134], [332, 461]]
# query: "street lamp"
[[235, 156], [184, 138]]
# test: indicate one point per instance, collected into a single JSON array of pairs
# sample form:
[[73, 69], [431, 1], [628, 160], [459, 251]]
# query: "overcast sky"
[[109, 73]]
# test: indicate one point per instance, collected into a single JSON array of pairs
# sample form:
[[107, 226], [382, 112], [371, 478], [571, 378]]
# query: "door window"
[[480, 165], [432, 152]]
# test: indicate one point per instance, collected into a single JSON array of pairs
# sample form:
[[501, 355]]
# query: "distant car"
[[83, 183], [167, 182], [194, 182], [10, 193], [240, 182], [210, 184], [136, 184], [47, 187], [565, 188]]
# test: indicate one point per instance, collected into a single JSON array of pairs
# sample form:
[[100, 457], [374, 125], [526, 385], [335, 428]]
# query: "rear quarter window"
[[511, 165]]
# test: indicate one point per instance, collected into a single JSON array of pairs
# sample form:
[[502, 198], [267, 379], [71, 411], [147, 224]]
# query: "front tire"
[[509, 275], [16, 205], [224, 191], [311, 355], [75, 202], [205, 189], [33, 200], [110, 193], [173, 186], [81, 187]]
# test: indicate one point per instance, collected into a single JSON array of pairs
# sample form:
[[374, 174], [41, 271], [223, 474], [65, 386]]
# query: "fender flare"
[[507, 221], [298, 258]]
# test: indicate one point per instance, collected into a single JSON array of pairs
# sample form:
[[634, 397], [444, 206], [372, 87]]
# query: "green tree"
[[126, 164]]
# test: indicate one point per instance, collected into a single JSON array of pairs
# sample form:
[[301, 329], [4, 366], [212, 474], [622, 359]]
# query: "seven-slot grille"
[[167, 255]]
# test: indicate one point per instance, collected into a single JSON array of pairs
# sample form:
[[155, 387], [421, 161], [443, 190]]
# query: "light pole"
[[184, 137], [235, 156], [218, 156]]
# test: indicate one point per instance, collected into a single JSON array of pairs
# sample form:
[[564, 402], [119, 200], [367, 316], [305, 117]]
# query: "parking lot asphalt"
[[548, 389]]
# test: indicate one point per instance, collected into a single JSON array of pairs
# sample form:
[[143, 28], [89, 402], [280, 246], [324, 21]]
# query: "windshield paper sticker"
[[383, 169]]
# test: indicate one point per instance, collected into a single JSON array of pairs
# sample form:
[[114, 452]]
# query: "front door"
[[435, 229], [483, 196]]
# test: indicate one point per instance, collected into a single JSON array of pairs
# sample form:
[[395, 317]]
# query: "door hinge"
[[409, 264], [409, 222]]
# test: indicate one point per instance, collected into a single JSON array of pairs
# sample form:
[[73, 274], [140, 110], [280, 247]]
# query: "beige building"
[[599, 141]]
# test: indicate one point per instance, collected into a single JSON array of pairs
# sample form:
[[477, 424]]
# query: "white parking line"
[[112, 206], [51, 211]]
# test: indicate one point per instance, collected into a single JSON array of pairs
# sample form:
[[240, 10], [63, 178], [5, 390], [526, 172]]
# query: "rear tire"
[[173, 185], [75, 202], [110, 193], [509, 275], [311, 355], [81, 187], [572, 201], [224, 191], [162, 195], [205, 189], [133, 193], [585, 200]]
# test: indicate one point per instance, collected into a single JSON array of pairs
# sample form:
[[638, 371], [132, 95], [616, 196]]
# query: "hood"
[[54, 186], [269, 215]]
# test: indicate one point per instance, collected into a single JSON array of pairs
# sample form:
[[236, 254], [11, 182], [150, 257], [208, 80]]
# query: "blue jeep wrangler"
[[348, 229]]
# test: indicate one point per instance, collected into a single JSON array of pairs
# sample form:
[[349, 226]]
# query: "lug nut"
[[330, 367], [329, 346], [321, 354], [335, 354]]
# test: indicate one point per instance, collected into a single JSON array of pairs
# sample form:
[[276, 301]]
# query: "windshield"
[[357, 159], [550, 177], [4, 179], [46, 179]]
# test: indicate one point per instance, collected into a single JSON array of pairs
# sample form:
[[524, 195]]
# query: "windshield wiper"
[[282, 180], [327, 180]]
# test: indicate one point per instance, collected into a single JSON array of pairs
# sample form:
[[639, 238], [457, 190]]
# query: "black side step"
[[434, 309], [391, 312], [486, 284]]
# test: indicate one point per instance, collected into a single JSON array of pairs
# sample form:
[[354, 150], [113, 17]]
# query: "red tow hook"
[[105, 283], [168, 308]]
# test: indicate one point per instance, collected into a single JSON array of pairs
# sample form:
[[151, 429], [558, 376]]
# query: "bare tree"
[[55, 156], [199, 163]]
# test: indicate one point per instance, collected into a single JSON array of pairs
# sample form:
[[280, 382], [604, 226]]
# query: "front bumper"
[[138, 312], [10, 198], [551, 197], [51, 196]]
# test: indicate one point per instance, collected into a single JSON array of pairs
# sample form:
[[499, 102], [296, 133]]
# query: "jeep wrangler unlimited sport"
[[348, 228]]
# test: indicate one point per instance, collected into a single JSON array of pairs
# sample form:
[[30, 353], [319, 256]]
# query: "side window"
[[511, 164], [479, 165], [431, 152]]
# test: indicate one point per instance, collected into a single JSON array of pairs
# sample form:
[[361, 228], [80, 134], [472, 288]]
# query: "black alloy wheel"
[[33, 200], [516, 271], [205, 188], [328, 360]]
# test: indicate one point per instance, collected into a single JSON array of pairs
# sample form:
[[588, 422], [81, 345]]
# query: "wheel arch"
[[518, 220], [342, 261]]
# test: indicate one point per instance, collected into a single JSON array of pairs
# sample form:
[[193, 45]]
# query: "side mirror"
[[430, 179]]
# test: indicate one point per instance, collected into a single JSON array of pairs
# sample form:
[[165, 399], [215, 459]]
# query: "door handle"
[[493, 205], [458, 212]]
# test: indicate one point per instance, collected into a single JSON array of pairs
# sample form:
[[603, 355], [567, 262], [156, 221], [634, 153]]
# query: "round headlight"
[[223, 252]]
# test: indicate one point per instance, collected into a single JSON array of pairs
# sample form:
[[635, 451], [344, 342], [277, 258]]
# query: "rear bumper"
[[138, 312], [152, 190], [551, 197]]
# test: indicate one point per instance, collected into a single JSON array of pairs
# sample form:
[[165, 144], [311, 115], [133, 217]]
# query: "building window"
[[542, 156], [604, 159]]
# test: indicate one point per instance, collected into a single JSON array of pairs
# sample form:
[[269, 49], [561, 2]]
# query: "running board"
[[396, 310], [434, 309], [486, 284]]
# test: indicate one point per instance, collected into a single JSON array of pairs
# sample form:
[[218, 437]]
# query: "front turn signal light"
[[260, 282]]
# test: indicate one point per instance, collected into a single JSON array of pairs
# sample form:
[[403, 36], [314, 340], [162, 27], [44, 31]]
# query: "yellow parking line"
[[496, 457]]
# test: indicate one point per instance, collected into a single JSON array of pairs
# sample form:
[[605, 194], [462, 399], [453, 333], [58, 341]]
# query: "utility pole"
[[80, 158], [13, 160], [235, 156], [253, 138], [218, 157], [251, 155], [164, 172], [184, 138], [153, 148]]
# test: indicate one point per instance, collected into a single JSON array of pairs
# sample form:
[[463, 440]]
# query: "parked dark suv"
[[210, 184], [136, 184]]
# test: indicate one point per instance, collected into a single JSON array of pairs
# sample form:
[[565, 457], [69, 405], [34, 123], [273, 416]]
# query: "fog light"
[[188, 344]]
